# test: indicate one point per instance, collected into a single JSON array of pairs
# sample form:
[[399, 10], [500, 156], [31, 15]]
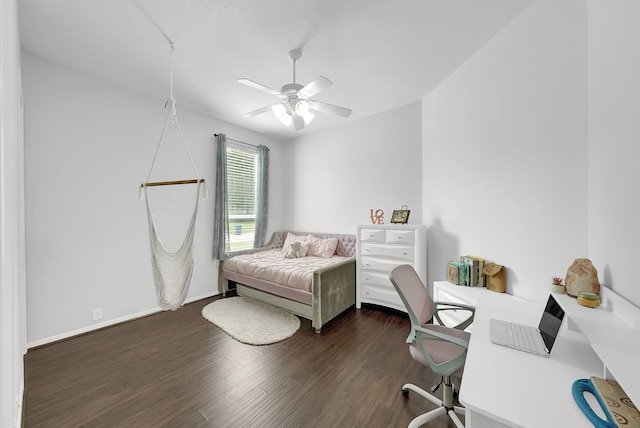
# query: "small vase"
[[559, 289]]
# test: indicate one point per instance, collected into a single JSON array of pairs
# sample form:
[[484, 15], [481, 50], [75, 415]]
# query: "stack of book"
[[467, 271]]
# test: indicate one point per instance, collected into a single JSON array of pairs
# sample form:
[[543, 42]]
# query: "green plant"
[[556, 280]]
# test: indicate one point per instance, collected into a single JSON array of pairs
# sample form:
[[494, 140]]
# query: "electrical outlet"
[[96, 314]]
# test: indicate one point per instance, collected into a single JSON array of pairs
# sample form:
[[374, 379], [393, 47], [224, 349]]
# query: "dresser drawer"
[[385, 265], [379, 279], [400, 237], [383, 296], [372, 235], [400, 252]]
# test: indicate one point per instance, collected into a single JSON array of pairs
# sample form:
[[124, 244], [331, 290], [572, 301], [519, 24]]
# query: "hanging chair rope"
[[172, 271], [172, 117]]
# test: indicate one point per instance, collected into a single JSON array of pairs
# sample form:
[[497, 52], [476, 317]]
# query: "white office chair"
[[443, 349]]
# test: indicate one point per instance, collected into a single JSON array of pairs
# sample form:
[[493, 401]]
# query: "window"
[[241, 189]]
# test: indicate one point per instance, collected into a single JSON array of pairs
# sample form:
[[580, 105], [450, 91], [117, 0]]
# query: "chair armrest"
[[441, 336], [449, 306]]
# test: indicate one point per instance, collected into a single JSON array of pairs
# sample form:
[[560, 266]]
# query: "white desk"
[[613, 332], [505, 387]]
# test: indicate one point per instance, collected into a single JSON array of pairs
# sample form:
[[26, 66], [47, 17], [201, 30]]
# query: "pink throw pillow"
[[322, 247]]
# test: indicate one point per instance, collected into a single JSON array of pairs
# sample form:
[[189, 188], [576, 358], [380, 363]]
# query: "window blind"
[[241, 188]]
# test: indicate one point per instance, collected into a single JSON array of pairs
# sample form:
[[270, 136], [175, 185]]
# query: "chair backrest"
[[413, 293], [447, 352]]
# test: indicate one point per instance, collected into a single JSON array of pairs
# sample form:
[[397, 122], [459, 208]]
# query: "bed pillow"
[[304, 249], [322, 247]]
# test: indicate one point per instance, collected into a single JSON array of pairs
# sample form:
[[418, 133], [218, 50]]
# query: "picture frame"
[[400, 216]]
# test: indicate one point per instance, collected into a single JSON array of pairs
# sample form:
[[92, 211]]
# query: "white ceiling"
[[380, 54]]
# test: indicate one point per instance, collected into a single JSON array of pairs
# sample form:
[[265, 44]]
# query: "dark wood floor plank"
[[175, 369]]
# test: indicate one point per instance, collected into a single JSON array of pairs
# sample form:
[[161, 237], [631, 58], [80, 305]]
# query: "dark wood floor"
[[175, 369]]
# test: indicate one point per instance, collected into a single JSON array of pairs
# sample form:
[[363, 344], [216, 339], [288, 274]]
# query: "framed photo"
[[400, 216]]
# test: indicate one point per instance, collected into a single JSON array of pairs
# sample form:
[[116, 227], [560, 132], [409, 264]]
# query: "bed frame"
[[333, 288]]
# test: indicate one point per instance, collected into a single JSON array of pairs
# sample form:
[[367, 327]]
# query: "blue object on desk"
[[578, 389]]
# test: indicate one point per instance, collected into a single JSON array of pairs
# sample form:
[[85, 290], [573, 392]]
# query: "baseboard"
[[19, 421], [98, 326]]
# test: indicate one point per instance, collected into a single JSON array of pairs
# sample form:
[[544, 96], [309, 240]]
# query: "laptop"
[[538, 341]]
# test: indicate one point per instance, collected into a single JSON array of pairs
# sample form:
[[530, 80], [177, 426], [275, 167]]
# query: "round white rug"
[[251, 321]]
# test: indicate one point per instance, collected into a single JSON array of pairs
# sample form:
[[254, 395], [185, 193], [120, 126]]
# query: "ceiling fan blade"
[[259, 86], [329, 108], [319, 84], [257, 112], [298, 122]]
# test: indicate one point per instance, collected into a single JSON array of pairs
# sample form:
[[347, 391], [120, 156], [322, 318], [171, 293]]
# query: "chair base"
[[445, 407]]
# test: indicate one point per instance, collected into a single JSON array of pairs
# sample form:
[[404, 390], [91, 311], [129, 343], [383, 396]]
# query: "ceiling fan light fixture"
[[283, 114], [296, 108], [302, 109]]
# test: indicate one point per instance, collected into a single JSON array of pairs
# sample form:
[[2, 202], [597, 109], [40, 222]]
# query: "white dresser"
[[380, 249]]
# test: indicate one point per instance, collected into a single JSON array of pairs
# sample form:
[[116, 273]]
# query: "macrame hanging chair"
[[172, 270]]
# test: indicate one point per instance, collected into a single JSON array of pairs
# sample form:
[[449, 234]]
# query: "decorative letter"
[[378, 217]]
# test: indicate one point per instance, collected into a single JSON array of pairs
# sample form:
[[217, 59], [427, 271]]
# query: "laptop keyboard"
[[522, 337]]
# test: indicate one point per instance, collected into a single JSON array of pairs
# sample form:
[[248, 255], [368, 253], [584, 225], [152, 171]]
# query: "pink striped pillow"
[[322, 247]]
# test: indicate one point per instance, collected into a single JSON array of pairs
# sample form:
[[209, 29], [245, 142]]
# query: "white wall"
[[88, 146], [337, 176], [12, 258], [505, 151], [614, 148], [495, 160]]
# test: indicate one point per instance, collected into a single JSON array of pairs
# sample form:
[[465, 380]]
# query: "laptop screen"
[[550, 322]]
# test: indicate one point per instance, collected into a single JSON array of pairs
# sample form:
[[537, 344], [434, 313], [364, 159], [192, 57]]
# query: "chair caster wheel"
[[405, 392]]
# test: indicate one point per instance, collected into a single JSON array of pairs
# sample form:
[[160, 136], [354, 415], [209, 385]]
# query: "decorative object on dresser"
[[377, 216], [400, 216], [582, 276], [381, 248]]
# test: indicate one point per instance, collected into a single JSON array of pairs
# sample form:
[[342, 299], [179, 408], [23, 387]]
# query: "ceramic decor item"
[[557, 286], [582, 277]]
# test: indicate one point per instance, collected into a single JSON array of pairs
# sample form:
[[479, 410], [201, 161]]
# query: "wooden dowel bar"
[[171, 183]]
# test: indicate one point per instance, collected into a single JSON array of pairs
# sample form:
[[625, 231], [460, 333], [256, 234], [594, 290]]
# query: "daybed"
[[319, 286]]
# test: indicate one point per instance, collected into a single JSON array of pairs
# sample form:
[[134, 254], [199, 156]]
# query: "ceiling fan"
[[296, 107]]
